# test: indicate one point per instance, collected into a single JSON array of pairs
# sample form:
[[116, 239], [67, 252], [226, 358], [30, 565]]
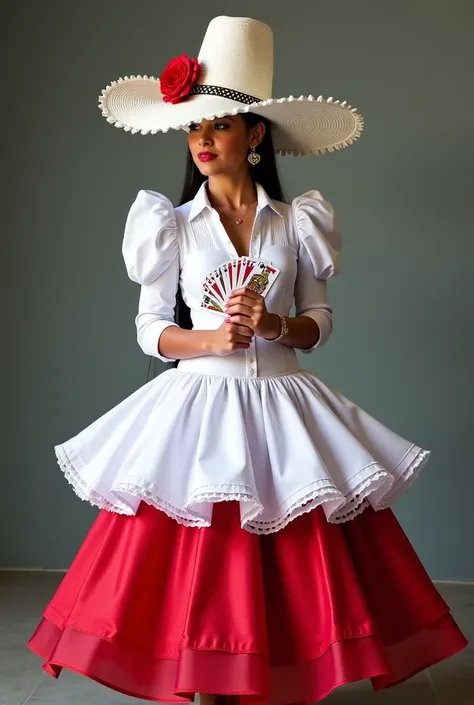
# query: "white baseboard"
[[454, 582], [33, 570]]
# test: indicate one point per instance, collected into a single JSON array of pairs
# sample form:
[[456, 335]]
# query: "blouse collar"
[[201, 201]]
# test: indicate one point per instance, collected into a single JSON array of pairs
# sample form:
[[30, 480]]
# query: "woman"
[[244, 548]]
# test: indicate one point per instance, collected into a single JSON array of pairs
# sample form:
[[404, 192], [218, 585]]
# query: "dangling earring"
[[253, 157]]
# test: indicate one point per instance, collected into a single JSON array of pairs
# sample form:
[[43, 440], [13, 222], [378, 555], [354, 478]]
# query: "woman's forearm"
[[180, 344], [303, 331]]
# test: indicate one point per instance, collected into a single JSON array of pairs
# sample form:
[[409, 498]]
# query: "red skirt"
[[161, 612]]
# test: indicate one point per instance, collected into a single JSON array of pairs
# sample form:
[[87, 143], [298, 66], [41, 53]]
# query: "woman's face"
[[221, 146]]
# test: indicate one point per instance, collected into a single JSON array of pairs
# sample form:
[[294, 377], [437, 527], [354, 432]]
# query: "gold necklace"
[[240, 219]]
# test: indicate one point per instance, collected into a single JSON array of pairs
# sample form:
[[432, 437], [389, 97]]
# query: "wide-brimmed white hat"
[[232, 74]]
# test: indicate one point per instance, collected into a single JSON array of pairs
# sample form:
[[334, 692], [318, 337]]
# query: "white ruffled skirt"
[[280, 446]]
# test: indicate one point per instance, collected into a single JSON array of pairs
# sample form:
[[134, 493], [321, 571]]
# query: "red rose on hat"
[[178, 78]]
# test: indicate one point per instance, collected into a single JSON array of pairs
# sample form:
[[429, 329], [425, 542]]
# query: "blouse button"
[[252, 372]]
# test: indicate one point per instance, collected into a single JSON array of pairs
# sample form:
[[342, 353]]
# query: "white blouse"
[[166, 247]]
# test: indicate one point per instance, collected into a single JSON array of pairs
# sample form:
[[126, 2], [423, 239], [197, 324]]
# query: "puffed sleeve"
[[319, 247], [151, 254]]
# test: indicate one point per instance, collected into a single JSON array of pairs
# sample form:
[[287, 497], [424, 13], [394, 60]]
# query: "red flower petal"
[[178, 78]]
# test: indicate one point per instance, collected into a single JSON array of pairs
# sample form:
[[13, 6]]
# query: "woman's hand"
[[229, 337], [246, 308]]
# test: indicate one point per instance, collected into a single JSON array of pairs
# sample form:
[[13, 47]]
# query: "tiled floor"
[[23, 595]]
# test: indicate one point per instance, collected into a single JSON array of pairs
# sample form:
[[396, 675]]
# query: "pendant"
[[239, 221], [253, 157]]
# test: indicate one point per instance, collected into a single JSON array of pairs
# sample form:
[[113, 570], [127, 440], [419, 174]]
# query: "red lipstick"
[[206, 156]]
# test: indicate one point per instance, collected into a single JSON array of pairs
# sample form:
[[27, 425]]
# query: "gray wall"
[[403, 343]]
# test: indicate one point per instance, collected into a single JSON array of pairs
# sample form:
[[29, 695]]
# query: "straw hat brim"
[[304, 125]]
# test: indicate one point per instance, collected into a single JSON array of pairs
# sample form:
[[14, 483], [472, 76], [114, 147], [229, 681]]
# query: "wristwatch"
[[283, 329]]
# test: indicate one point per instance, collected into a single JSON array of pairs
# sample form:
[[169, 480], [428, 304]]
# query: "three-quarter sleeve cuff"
[[149, 337], [324, 321]]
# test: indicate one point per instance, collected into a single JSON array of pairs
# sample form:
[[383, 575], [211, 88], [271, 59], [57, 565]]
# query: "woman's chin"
[[209, 168]]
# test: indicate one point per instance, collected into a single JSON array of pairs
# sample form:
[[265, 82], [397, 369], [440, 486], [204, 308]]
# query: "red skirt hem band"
[[217, 672], [160, 612]]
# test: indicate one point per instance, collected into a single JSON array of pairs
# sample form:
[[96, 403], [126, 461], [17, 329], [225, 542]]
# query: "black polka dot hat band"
[[224, 93]]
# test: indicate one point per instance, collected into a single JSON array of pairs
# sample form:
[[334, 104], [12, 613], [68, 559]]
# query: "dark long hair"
[[264, 173]]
